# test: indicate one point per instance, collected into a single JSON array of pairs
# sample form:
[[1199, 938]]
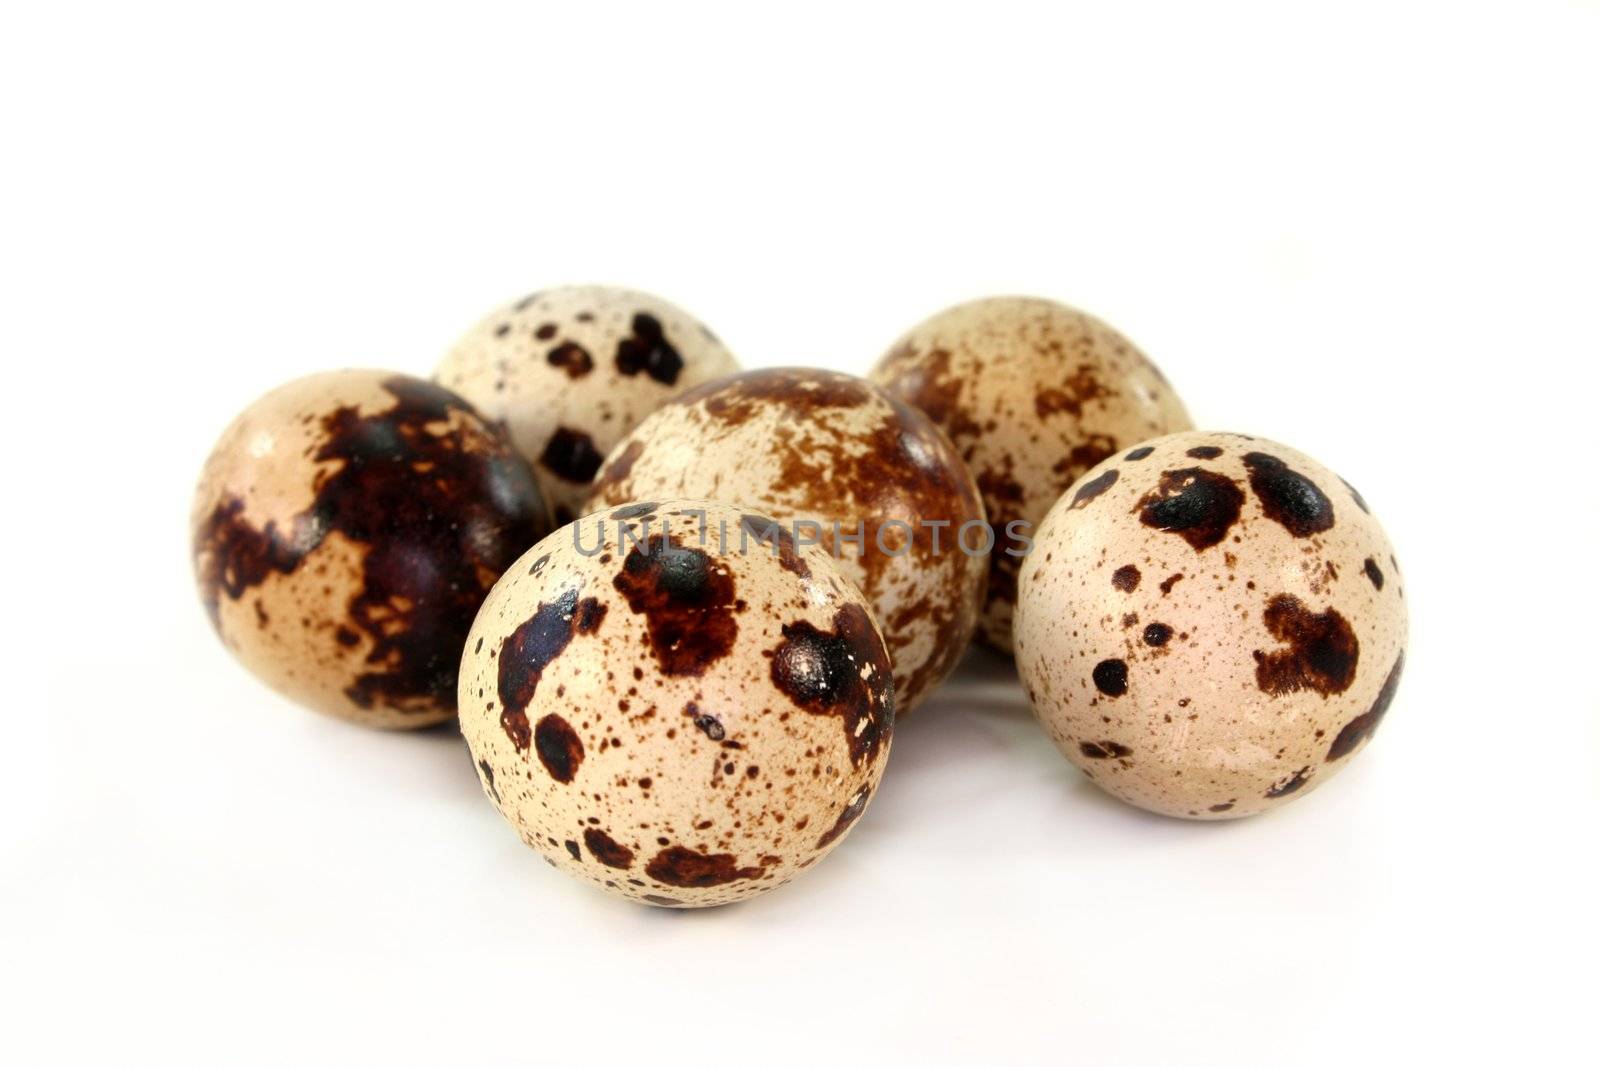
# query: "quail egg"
[[835, 459], [571, 370], [1210, 624], [1032, 393], [670, 712], [345, 530]]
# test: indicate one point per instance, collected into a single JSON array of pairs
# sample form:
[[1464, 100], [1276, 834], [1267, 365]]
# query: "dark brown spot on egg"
[[433, 544], [1111, 677], [558, 746], [1373, 572], [688, 869], [852, 811], [1357, 497], [1083, 455], [606, 850], [1125, 578], [709, 725], [533, 646], [843, 672], [233, 556], [687, 599], [590, 614], [1204, 452], [546, 331], [517, 728], [1198, 505], [1139, 453], [1157, 634], [572, 358], [571, 456], [1081, 388], [1288, 497], [1321, 655], [1093, 488], [1362, 726], [1224, 806], [486, 773], [647, 349], [1104, 750], [572, 847], [1290, 784]]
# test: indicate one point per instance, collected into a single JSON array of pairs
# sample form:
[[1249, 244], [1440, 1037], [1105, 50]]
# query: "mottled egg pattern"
[[802, 444], [346, 528], [670, 718], [569, 371], [1032, 393], [1210, 624]]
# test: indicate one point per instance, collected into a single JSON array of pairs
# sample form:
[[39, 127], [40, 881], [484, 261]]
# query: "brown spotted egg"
[[346, 528], [571, 370], [1032, 393], [836, 459], [1210, 624], [671, 714]]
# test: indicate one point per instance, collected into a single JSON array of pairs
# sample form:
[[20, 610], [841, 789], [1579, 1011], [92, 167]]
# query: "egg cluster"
[[676, 609]]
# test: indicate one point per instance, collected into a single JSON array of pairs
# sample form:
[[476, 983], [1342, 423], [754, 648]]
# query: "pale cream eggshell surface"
[[873, 474], [1032, 393], [570, 370], [672, 714], [1210, 624]]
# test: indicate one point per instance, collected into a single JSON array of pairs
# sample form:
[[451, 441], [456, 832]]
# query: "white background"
[[1370, 232]]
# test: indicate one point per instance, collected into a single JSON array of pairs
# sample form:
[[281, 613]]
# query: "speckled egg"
[[1032, 393], [346, 528], [1210, 624], [885, 490], [570, 371], [670, 716]]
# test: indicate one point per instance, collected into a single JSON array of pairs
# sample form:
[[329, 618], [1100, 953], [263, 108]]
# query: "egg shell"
[[801, 444], [1032, 393], [345, 530], [672, 714], [569, 371], [1210, 624]]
